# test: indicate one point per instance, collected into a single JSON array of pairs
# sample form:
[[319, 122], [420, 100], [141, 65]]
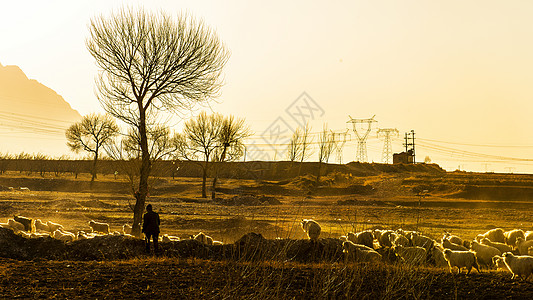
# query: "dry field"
[[342, 204]]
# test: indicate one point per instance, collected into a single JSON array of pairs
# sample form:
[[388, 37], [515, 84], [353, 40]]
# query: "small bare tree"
[[91, 134], [151, 62], [305, 142], [199, 141], [230, 144], [295, 145], [326, 145]]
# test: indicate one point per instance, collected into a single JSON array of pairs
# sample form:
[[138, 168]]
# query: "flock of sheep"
[[30, 228], [496, 248]]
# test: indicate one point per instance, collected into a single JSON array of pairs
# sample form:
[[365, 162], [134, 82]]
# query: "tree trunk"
[[213, 191], [204, 181], [143, 177], [318, 174], [94, 168]]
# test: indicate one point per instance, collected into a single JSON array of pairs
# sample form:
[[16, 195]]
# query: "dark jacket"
[[151, 222]]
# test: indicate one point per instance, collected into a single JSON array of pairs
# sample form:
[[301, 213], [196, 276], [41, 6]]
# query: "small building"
[[404, 157]]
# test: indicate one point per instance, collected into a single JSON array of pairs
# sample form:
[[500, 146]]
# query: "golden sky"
[[457, 72]]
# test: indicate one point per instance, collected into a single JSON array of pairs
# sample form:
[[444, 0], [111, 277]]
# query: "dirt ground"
[[456, 203]]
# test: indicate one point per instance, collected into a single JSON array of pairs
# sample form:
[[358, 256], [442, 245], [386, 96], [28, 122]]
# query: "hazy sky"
[[457, 72]]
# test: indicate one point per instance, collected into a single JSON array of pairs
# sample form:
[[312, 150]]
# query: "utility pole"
[[340, 140], [386, 156], [362, 136], [410, 144]]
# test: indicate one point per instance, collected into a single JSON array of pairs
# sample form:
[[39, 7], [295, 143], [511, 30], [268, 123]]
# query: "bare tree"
[[90, 134], [295, 145], [151, 62], [230, 144], [199, 142], [326, 145], [305, 142]]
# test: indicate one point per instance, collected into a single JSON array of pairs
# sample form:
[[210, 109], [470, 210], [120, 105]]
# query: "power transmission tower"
[[386, 156], [340, 139], [361, 154], [410, 145]]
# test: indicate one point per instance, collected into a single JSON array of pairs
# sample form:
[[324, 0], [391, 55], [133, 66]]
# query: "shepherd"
[[150, 228]]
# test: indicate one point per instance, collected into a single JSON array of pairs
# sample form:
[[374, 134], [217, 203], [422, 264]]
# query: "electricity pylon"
[[340, 139], [387, 133], [361, 154]]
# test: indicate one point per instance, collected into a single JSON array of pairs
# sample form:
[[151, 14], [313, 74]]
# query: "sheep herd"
[[495, 249], [35, 228], [509, 251]]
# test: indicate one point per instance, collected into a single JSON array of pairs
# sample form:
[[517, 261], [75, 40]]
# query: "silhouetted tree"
[[90, 134], [151, 62]]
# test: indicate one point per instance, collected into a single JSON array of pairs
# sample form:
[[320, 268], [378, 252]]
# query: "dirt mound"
[[63, 204], [96, 204], [248, 200]]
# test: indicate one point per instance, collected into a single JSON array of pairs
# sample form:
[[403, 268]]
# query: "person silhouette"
[[150, 228]]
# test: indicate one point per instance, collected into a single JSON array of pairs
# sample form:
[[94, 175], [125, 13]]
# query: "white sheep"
[[400, 240], [384, 237], [126, 229], [500, 246], [499, 263], [438, 256], [99, 227], [203, 238], [519, 265], [312, 228], [52, 227], [359, 253], [461, 259], [420, 240], [511, 235], [495, 235], [523, 245], [64, 236], [170, 238], [27, 222], [24, 189], [363, 238], [452, 246], [484, 253], [411, 255], [452, 238], [16, 226], [40, 226]]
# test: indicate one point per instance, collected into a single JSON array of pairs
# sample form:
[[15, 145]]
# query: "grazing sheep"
[[203, 238], [126, 229], [362, 238], [519, 265], [384, 237], [401, 240], [529, 235], [16, 226], [461, 259], [438, 256], [411, 255], [170, 238], [499, 263], [523, 245], [359, 253], [40, 226], [452, 246], [64, 236], [24, 189], [27, 222], [495, 235], [52, 227], [99, 227], [512, 235], [500, 246], [484, 253], [452, 238], [312, 228], [420, 240]]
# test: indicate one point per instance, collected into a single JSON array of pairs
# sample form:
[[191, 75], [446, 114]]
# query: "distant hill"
[[33, 117]]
